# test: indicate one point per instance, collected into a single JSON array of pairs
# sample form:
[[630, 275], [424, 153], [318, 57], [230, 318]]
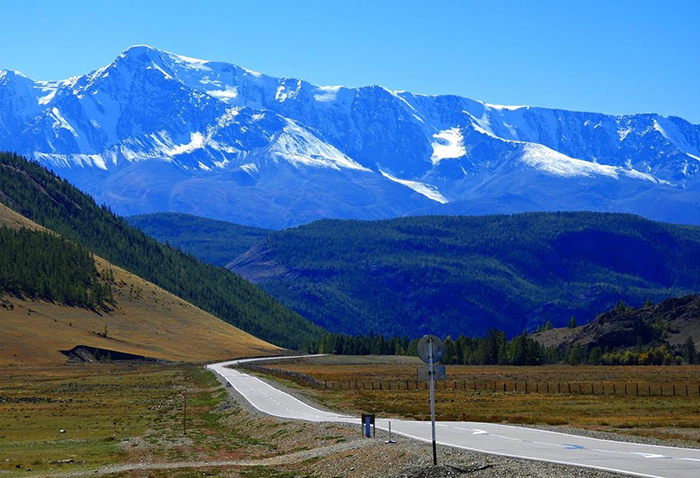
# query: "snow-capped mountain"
[[156, 131]]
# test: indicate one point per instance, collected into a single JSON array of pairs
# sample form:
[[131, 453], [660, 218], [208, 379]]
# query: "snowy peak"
[[301, 151]]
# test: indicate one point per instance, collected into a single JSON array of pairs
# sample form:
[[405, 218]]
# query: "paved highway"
[[622, 457]]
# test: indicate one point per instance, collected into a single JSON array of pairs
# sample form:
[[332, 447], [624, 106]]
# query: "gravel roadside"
[[359, 457]]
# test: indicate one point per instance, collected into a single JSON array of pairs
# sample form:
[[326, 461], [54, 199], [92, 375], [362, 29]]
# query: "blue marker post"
[[367, 420]]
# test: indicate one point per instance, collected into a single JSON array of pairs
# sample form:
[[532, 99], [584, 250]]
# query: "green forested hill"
[[214, 242], [39, 195], [466, 275], [42, 265]]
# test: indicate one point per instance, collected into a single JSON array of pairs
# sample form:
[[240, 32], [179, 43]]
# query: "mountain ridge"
[[455, 275], [161, 128]]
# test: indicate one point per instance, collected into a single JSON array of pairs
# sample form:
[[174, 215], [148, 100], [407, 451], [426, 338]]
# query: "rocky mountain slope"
[[155, 131]]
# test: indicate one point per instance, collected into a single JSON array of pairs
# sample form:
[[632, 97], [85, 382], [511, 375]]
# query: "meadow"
[[116, 417], [632, 400]]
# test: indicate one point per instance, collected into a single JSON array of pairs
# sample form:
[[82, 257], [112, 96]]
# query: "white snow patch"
[[193, 63], [196, 142], [622, 133], [558, 164], [327, 93], [60, 122], [658, 128], [427, 190], [503, 107], [67, 161], [299, 147], [157, 68], [203, 166], [226, 94], [251, 72], [693, 156], [284, 92], [250, 168], [44, 100], [447, 144]]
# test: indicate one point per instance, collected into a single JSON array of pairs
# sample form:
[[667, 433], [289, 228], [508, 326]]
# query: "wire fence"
[[637, 389]]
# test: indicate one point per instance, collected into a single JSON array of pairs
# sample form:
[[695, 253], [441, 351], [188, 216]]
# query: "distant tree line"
[[42, 265], [495, 349]]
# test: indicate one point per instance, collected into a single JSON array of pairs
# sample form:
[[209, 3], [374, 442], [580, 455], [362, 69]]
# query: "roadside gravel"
[[354, 456]]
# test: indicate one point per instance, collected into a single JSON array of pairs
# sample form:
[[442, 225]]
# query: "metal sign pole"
[[432, 398]]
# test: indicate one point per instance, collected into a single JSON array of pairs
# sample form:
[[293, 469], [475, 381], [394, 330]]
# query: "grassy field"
[[124, 414], [476, 393]]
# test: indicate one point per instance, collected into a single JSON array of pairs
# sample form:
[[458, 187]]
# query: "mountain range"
[[155, 131]]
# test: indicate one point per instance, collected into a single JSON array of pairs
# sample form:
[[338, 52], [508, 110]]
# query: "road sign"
[[438, 348], [438, 373], [430, 350]]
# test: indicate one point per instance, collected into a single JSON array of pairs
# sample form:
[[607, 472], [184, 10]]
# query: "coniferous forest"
[[41, 196], [452, 275], [42, 265]]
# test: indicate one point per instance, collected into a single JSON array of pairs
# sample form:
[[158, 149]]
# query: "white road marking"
[[595, 453]]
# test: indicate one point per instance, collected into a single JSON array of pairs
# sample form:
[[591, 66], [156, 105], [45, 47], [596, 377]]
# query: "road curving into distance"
[[519, 442]]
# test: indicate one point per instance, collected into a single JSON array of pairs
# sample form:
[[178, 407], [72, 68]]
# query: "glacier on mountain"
[[156, 131]]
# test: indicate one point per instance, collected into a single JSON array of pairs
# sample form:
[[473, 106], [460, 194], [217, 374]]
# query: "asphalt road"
[[622, 457]]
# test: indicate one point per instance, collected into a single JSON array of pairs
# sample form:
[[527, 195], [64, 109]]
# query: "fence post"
[[625, 390], [648, 389], [558, 387], [504, 387], [592, 391], [674, 389], [537, 387], [548, 386], [525, 387], [637, 387], [569, 385], [515, 387]]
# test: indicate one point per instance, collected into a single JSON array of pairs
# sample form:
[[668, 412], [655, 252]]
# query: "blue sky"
[[611, 56]]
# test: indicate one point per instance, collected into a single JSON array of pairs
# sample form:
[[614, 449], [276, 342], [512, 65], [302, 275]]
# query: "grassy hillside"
[[214, 242], [41, 196], [144, 320], [466, 275]]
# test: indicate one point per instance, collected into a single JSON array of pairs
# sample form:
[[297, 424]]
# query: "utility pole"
[[184, 415], [432, 397]]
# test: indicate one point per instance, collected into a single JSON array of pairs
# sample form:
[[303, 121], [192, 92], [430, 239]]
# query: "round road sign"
[[424, 348]]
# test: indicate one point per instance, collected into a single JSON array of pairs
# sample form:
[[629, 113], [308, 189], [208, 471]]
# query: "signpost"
[[367, 420], [430, 350]]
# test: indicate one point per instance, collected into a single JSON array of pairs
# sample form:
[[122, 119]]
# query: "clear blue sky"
[[611, 56]]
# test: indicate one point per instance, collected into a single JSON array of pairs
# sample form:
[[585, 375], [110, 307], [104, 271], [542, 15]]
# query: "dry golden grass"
[[147, 321], [115, 414], [663, 416]]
